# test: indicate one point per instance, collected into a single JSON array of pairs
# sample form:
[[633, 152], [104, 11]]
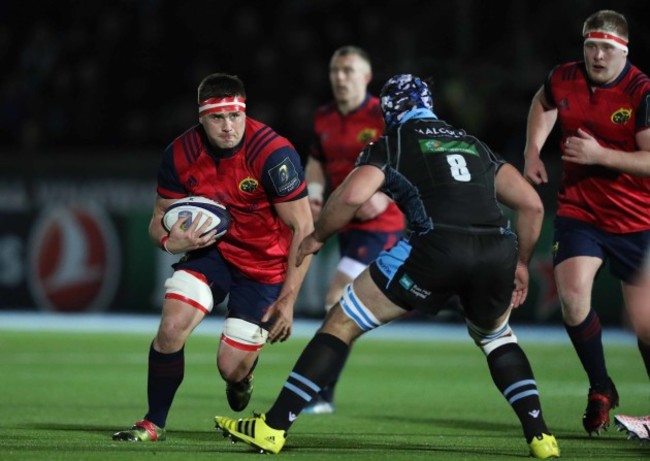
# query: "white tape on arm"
[[315, 191]]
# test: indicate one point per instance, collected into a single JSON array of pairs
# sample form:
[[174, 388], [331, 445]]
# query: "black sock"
[[166, 373], [645, 355], [588, 344], [513, 376], [319, 362], [327, 393]]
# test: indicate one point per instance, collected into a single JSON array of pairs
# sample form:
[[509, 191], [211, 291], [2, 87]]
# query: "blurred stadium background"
[[91, 92]]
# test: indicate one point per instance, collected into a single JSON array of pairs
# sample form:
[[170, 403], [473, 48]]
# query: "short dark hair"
[[220, 85], [351, 49], [609, 21]]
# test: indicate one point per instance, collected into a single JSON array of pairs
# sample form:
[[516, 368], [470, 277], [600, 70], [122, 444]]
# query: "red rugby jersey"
[[262, 170], [615, 202], [338, 141]]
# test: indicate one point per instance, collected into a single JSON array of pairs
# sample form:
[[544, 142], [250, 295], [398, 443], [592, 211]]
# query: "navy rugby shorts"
[[364, 246], [248, 299], [624, 252]]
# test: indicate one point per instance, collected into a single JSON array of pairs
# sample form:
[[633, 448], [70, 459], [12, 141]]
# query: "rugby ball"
[[192, 206]]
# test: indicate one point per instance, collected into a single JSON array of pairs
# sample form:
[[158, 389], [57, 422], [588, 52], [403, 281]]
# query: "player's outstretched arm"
[[297, 216], [541, 120], [515, 192]]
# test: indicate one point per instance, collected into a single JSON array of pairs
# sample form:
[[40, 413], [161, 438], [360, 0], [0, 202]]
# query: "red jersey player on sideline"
[[602, 106], [258, 176], [342, 129]]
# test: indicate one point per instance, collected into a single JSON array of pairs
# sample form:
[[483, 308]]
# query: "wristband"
[[315, 191], [163, 244]]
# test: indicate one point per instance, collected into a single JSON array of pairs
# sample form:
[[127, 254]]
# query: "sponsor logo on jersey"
[[366, 135], [248, 185], [284, 177], [433, 146], [621, 116], [406, 282], [419, 292], [74, 259], [409, 285]]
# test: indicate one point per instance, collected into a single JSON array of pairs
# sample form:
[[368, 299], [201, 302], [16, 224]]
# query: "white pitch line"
[[403, 330]]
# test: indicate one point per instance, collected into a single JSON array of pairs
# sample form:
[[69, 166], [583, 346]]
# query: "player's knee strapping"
[[357, 311], [489, 340], [350, 267], [243, 335], [191, 288]]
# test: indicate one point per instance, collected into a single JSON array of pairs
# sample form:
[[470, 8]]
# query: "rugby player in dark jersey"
[[451, 187]]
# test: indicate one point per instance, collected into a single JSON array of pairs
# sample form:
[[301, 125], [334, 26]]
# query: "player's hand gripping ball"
[[192, 206]]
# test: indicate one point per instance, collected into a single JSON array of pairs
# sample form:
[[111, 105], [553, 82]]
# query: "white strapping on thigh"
[[186, 287], [350, 267], [243, 335]]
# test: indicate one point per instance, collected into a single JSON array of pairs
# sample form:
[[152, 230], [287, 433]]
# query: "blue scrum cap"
[[401, 94]]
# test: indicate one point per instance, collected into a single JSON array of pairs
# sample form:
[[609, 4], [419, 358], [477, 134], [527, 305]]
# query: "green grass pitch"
[[63, 394]]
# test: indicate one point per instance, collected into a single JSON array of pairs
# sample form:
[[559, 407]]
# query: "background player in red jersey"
[[602, 107], [258, 176], [342, 129]]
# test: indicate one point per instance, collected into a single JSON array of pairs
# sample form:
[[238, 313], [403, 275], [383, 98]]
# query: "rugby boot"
[[544, 446], [636, 427], [319, 406], [252, 431], [599, 401], [142, 431]]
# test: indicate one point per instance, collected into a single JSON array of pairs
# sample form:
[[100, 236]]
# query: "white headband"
[[232, 104], [606, 37]]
